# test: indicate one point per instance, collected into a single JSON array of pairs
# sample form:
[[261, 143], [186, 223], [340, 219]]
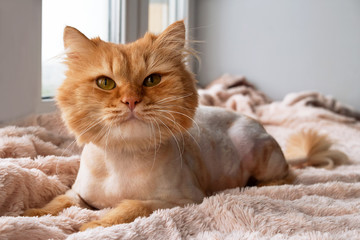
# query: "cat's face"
[[132, 93]]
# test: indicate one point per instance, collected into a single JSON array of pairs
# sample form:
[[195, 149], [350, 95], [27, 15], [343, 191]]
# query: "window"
[[164, 12], [91, 17], [111, 20], [158, 15]]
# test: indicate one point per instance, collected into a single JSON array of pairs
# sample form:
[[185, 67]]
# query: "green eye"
[[152, 80], [105, 83]]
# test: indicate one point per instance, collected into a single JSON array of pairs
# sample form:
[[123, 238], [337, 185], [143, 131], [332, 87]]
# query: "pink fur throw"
[[39, 160]]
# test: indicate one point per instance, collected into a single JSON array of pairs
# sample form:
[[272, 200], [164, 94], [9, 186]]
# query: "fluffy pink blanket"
[[39, 160]]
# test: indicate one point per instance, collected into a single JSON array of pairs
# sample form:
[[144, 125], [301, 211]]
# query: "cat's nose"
[[131, 102]]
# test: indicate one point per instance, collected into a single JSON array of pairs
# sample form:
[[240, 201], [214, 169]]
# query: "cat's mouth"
[[119, 118], [132, 116]]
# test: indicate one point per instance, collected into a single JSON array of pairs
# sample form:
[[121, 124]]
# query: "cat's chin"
[[132, 129], [132, 119]]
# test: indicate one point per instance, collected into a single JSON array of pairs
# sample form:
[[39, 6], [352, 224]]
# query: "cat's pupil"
[[105, 81], [152, 80]]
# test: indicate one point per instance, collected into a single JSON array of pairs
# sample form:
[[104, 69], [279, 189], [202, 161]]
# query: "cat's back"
[[217, 118], [205, 114], [225, 128]]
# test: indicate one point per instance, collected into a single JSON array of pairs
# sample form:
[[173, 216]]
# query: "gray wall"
[[20, 45], [283, 45]]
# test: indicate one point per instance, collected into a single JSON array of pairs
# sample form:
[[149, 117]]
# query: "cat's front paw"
[[35, 212], [94, 224]]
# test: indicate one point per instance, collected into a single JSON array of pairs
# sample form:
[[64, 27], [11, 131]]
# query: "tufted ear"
[[75, 40], [173, 36]]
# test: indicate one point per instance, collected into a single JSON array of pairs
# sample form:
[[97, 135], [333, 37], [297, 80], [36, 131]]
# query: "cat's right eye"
[[105, 83], [152, 80]]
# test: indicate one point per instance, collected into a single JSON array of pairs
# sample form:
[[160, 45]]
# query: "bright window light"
[[158, 15], [91, 17], [164, 12]]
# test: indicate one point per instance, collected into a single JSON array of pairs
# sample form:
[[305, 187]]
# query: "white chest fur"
[[104, 183]]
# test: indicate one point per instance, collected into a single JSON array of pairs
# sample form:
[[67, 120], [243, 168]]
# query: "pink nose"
[[131, 102]]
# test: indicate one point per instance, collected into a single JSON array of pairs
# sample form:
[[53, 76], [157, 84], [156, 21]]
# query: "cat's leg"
[[261, 156], [55, 206], [128, 210], [270, 165]]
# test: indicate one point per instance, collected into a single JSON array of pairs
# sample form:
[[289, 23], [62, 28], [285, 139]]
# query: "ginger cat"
[[147, 143]]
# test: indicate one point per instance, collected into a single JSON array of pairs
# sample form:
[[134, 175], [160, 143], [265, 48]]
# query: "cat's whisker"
[[98, 135], [121, 136], [82, 133], [152, 135], [180, 132], [173, 98], [166, 106], [177, 142], [160, 135], [74, 141], [107, 138], [170, 107], [113, 116], [176, 112], [186, 131], [101, 133], [155, 148]]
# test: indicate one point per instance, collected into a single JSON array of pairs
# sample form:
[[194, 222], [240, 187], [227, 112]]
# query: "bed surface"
[[38, 161]]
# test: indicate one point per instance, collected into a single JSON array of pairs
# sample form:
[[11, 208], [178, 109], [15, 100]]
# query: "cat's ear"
[[75, 40], [173, 36]]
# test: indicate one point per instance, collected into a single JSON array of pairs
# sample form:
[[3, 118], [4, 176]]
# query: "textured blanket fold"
[[39, 159]]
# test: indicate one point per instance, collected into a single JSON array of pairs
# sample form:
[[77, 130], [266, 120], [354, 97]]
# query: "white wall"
[[283, 45], [20, 28]]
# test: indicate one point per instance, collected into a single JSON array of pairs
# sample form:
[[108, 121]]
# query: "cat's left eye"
[[152, 80], [105, 83]]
